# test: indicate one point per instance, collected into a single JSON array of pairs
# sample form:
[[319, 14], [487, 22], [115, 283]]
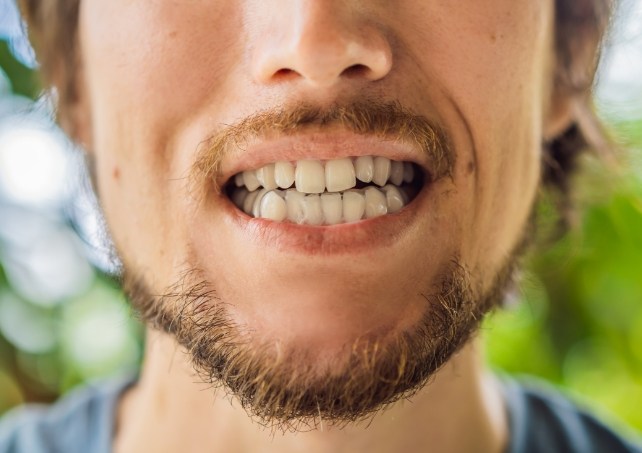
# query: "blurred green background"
[[64, 321]]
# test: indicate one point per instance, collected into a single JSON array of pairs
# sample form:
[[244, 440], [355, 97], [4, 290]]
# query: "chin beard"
[[286, 389]]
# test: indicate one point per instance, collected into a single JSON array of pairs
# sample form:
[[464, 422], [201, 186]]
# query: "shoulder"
[[541, 420], [80, 422]]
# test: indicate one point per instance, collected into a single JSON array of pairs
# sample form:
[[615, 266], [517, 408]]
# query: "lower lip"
[[348, 238]]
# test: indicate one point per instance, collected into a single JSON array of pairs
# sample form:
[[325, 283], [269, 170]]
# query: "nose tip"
[[322, 51]]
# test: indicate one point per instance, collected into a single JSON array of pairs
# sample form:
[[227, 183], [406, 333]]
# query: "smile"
[[319, 193], [330, 192]]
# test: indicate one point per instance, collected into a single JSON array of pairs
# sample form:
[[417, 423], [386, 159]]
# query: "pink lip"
[[350, 238], [322, 146]]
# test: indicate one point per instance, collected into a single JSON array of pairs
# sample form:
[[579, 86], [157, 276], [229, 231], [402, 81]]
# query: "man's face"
[[165, 83]]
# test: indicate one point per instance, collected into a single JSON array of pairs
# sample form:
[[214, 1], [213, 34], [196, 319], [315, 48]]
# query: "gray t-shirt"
[[541, 421]]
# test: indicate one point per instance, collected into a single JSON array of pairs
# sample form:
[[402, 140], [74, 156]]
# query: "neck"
[[170, 410]]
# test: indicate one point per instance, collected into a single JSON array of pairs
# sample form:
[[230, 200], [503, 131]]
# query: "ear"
[[580, 27], [559, 117]]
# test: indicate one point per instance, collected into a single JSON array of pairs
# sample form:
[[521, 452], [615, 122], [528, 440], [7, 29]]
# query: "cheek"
[[163, 55], [142, 84], [490, 61], [153, 74]]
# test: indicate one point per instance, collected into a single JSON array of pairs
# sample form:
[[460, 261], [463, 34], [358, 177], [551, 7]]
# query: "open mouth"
[[326, 192]]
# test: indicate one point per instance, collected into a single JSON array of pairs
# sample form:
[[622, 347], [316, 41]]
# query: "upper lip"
[[321, 146]]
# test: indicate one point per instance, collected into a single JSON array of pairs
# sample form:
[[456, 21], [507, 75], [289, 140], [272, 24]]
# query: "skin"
[[173, 74]]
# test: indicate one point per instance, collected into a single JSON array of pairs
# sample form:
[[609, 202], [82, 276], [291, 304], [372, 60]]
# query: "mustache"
[[384, 120]]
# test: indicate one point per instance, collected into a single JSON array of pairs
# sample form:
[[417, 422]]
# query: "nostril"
[[356, 71], [285, 74]]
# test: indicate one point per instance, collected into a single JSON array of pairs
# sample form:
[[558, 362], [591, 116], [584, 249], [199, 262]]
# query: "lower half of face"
[[295, 313], [296, 237]]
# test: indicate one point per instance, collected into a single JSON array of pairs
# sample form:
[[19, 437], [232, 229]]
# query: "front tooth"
[[394, 198], [284, 174], [332, 208], [408, 172], [354, 205], [381, 170], [248, 203], [256, 206], [294, 201], [396, 172], [265, 175], [309, 176], [273, 207], [250, 180], [364, 168], [376, 204], [312, 211], [339, 175]]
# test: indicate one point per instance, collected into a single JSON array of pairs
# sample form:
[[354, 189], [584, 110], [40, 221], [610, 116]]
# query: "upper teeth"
[[324, 191], [337, 175]]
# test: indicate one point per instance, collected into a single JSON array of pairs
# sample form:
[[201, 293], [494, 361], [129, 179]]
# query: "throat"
[[462, 410]]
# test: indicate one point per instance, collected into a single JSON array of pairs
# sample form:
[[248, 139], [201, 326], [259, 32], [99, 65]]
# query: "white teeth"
[[408, 172], [248, 203], [394, 198], [326, 209], [381, 171], [324, 192], [364, 168], [339, 175], [265, 175], [396, 172], [273, 207], [309, 176], [376, 204], [354, 205], [250, 180], [256, 206], [312, 211], [284, 174], [294, 201], [332, 208]]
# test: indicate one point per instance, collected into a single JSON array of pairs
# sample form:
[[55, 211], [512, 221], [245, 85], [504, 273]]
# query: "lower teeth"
[[324, 209]]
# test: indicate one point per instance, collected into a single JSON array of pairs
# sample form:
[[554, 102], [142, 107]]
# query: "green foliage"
[[580, 319], [24, 81]]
